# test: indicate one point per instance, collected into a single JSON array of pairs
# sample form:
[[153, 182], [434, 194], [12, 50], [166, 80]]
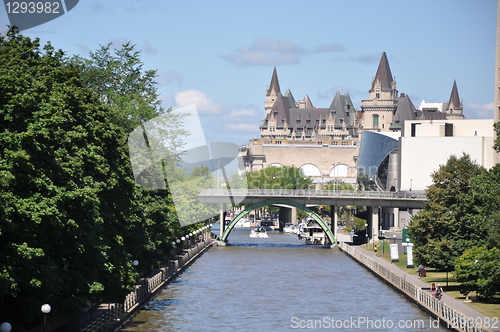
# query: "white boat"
[[313, 235], [245, 223], [289, 228], [259, 232]]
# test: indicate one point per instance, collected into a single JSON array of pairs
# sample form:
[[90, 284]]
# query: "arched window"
[[339, 171], [310, 170]]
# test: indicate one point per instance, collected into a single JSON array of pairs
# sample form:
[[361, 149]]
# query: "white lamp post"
[[409, 253], [5, 327], [45, 309], [366, 232]]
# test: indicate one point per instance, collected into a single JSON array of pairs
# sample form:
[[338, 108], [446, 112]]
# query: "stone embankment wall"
[[146, 289], [448, 315]]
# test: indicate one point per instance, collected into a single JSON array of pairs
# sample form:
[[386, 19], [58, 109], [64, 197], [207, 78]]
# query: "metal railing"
[[145, 288], [452, 317], [416, 195]]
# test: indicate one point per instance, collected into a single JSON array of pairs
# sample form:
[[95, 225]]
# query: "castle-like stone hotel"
[[324, 142]]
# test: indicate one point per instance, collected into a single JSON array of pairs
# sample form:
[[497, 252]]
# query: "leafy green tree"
[[119, 80], [285, 177], [68, 218], [338, 185], [486, 190], [478, 270], [448, 225], [187, 205]]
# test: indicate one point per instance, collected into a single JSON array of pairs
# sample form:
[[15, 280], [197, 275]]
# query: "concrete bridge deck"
[[413, 200]]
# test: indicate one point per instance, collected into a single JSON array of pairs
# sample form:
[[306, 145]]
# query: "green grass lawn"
[[449, 284]]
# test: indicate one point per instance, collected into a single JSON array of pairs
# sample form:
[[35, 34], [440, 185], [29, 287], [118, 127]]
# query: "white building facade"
[[427, 144]]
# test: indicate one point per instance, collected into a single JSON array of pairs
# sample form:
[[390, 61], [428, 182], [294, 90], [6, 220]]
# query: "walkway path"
[[458, 305]]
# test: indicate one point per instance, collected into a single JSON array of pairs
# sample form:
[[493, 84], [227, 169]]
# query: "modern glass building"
[[375, 164]]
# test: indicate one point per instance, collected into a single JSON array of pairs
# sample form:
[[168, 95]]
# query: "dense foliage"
[[448, 224], [285, 177], [459, 228], [478, 270], [71, 216]]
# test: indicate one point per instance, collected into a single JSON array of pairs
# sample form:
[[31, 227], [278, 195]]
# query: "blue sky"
[[220, 55]]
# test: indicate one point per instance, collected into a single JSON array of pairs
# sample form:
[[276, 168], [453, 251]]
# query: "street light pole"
[[383, 242], [45, 309], [366, 232], [409, 253]]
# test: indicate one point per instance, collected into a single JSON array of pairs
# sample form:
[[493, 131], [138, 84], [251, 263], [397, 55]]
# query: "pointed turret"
[[384, 75], [272, 92], [405, 111], [378, 110], [454, 98], [290, 99], [308, 102], [340, 110], [275, 85], [454, 108]]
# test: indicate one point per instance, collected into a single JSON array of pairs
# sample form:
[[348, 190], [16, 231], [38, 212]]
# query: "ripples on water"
[[262, 284]]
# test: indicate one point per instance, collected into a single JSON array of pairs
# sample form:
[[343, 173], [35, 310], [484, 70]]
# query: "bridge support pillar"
[[285, 217], [334, 219], [373, 224], [222, 220]]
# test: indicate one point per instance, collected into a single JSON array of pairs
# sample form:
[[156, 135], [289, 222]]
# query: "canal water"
[[278, 284]]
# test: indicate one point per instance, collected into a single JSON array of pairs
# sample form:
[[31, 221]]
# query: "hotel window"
[[375, 120], [345, 143]]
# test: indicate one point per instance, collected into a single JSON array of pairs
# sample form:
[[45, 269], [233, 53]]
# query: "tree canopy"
[[448, 225], [285, 177], [72, 218], [478, 270]]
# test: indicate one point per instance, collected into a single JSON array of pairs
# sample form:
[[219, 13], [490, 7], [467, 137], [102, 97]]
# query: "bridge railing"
[[316, 193]]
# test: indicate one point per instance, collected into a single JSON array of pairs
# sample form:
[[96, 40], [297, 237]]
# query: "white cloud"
[[329, 48], [204, 105], [237, 113], [266, 51], [478, 111], [239, 127]]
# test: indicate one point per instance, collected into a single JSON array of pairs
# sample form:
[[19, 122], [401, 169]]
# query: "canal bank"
[[453, 314], [110, 317], [278, 284]]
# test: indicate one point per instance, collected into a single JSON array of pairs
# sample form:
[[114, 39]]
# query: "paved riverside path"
[[458, 305]]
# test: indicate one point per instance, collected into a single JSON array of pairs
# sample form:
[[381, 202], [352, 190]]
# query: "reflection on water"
[[277, 284]]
